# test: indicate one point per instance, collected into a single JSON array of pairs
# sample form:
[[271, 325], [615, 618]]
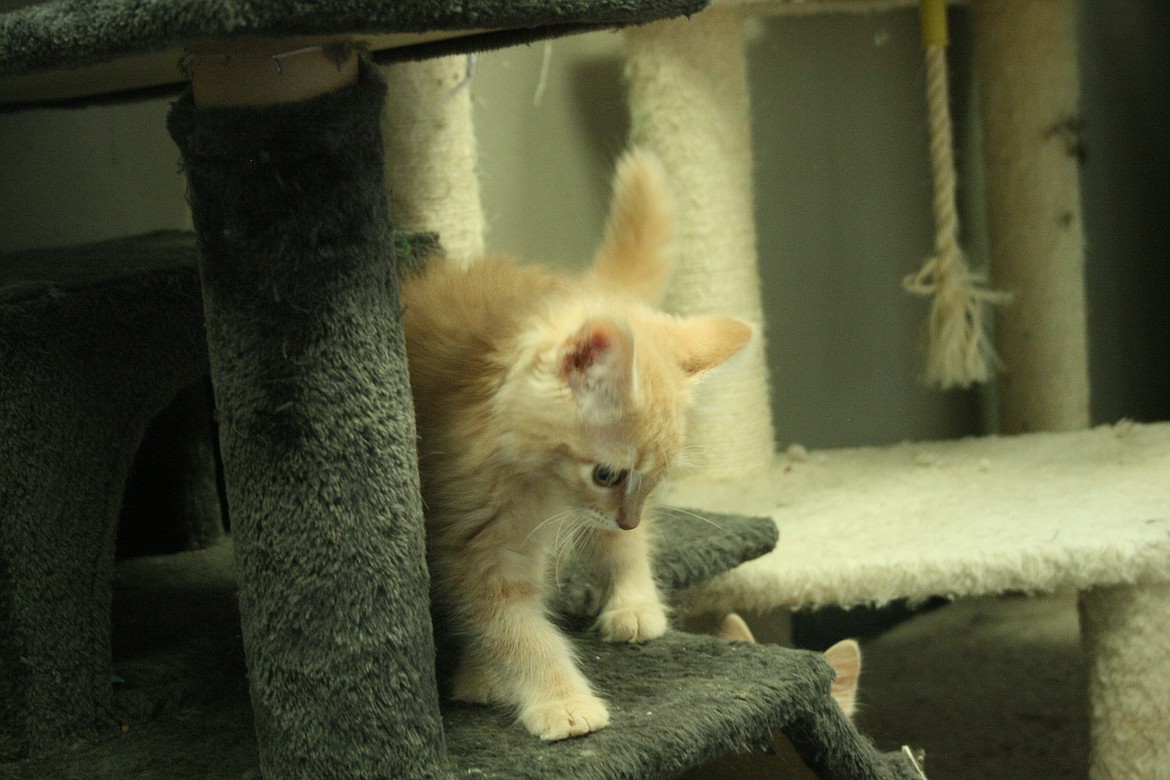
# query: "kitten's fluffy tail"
[[635, 253]]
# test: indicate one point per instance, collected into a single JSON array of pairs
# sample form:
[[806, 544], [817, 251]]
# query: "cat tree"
[[1057, 507], [301, 329]]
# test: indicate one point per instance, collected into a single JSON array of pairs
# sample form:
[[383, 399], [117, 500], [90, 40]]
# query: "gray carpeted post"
[[85, 368], [317, 432]]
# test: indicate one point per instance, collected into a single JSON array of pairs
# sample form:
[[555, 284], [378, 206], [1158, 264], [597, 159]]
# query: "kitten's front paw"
[[566, 718], [633, 623]]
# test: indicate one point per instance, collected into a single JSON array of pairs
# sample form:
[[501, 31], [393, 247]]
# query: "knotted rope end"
[[960, 352]]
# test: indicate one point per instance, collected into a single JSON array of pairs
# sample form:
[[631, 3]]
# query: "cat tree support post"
[[1026, 60], [1025, 55], [1123, 630], [431, 153], [689, 103], [307, 354]]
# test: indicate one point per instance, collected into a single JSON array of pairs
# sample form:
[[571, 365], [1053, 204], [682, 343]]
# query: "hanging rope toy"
[[960, 352]]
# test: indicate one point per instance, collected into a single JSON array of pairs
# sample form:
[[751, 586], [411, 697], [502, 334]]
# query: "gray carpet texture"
[[181, 704], [317, 431], [86, 366]]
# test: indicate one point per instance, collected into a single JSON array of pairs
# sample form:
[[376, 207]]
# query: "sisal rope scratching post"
[[960, 352], [431, 153], [1025, 56], [1123, 630], [689, 103]]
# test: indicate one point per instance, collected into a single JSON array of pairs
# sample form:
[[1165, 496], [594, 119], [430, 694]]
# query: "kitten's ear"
[[701, 344], [635, 253], [845, 658], [597, 363], [736, 629]]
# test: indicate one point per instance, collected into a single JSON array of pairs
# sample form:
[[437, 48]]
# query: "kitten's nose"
[[629, 512], [628, 521]]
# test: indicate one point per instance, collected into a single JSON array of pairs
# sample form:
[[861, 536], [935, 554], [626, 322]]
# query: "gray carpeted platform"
[[178, 702], [183, 712], [147, 39]]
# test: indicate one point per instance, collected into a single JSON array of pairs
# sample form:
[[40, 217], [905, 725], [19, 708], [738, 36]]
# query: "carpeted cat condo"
[[296, 313], [90, 355]]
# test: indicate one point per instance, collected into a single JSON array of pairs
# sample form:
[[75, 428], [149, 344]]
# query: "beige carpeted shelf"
[[972, 517]]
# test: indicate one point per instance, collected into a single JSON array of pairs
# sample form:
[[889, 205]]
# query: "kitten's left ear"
[[597, 363], [701, 344]]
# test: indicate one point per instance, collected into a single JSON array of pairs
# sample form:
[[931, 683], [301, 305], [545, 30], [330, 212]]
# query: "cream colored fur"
[[549, 408]]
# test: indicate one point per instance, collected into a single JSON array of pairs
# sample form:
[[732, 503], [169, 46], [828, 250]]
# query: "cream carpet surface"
[[978, 516]]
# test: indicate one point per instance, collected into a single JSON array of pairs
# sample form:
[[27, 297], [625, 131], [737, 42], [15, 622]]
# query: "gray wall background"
[[842, 199]]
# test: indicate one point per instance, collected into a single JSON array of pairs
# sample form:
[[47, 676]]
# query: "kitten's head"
[[603, 387]]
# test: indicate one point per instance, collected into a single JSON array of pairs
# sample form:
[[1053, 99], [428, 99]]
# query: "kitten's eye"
[[604, 476]]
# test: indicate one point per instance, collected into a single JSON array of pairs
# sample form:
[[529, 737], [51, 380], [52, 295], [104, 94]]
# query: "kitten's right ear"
[[635, 253], [701, 344], [597, 363]]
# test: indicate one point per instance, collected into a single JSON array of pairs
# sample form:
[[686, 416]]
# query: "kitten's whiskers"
[[545, 522], [690, 458], [574, 529], [688, 512]]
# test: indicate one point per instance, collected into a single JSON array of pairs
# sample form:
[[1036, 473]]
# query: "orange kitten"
[[844, 657], [549, 407]]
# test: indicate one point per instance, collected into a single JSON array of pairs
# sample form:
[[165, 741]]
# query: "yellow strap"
[[934, 22]]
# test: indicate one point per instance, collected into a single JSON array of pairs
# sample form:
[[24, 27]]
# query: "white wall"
[[86, 174], [1126, 187], [844, 213], [546, 154]]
